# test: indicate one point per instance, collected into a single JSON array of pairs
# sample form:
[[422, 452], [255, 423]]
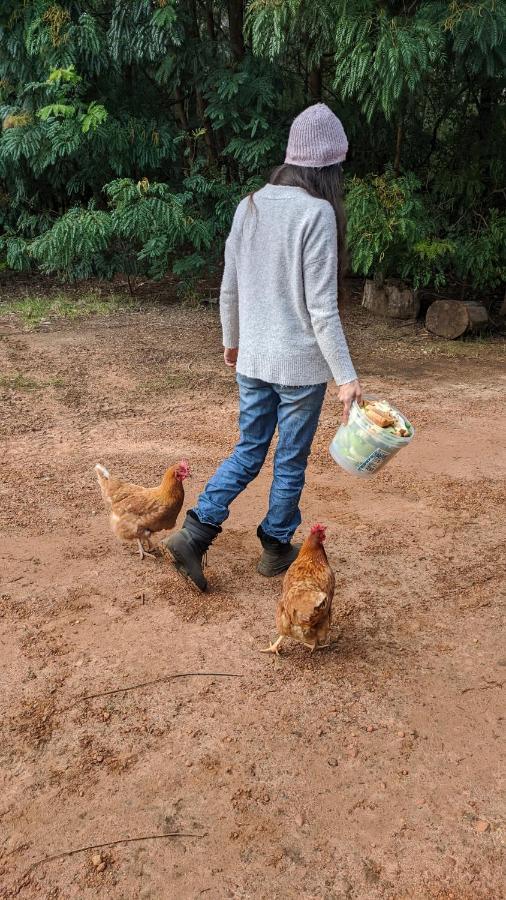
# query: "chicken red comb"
[[320, 530], [184, 467]]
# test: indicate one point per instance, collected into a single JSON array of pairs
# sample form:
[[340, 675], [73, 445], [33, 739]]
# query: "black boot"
[[188, 547], [276, 556]]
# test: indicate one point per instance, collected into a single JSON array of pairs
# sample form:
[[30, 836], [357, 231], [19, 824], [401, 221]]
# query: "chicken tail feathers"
[[102, 471]]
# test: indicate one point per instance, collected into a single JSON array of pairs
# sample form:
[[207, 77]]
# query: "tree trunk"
[[201, 105], [316, 84], [486, 106], [453, 318], [180, 110], [209, 137], [235, 27], [211, 29], [398, 145]]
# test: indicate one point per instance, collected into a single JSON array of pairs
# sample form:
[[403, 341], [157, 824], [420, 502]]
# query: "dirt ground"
[[370, 771]]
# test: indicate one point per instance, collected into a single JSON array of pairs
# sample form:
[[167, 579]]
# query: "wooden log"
[[403, 302], [392, 299], [453, 318], [374, 298]]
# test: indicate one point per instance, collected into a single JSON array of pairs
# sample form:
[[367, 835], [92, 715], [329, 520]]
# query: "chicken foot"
[[273, 648], [143, 553], [328, 645]]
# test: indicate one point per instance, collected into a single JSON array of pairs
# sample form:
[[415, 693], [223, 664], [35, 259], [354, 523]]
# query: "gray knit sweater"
[[278, 298]]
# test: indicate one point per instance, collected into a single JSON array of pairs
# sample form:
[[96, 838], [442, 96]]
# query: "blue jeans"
[[295, 411]]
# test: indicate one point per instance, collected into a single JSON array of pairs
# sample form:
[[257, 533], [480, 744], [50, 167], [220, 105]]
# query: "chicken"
[[304, 611], [137, 512]]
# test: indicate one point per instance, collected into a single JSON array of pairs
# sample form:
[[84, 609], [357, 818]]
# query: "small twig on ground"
[[130, 840], [483, 687], [160, 680]]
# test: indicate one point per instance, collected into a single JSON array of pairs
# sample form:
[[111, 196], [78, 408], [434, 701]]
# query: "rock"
[[400, 734], [96, 859], [299, 820], [482, 826], [333, 762], [102, 866], [371, 728]]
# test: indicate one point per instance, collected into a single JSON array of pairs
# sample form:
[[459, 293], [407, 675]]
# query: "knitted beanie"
[[316, 138]]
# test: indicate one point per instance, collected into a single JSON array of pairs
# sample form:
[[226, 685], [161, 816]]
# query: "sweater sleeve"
[[320, 286], [229, 296]]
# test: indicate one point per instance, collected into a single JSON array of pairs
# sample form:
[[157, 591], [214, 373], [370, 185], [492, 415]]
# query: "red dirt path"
[[364, 772]]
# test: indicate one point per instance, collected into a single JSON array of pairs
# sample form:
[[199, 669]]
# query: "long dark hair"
[[326, 183]]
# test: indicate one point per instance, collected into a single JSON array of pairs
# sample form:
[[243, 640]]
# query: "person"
[[284, 260]]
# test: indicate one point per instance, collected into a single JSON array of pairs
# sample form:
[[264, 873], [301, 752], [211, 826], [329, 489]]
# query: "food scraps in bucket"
[[384, 416]]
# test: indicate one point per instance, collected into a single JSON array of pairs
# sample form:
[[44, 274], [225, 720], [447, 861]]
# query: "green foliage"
[[481, 254], [69, 75], [131, 130], [147, 228], [390, 231], [382, 59], [95, 115], [54, 110], [393, 231]]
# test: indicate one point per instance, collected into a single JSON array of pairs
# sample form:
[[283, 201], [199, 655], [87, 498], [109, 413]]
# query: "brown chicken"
[[304, 611], [137, 512]]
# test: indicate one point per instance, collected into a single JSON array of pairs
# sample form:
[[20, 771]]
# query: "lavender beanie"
[[316, 138]]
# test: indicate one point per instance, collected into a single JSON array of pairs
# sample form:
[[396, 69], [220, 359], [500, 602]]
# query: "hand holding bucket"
[[362, 447]]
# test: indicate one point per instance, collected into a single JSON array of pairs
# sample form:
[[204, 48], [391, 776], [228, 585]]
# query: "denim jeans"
[[263, 407]]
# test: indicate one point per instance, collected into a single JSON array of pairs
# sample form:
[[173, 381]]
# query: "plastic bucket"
[[362, 448]]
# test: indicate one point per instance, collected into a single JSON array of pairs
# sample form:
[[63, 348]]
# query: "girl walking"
[[284, 261]]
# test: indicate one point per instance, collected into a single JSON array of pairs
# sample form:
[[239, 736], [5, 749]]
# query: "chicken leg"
[[273, 648]]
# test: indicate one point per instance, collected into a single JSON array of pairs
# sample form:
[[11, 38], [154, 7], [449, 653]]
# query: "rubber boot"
[[189, 546], [276, 557]]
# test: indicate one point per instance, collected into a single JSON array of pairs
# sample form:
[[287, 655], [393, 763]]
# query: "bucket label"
[[374, 461]]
